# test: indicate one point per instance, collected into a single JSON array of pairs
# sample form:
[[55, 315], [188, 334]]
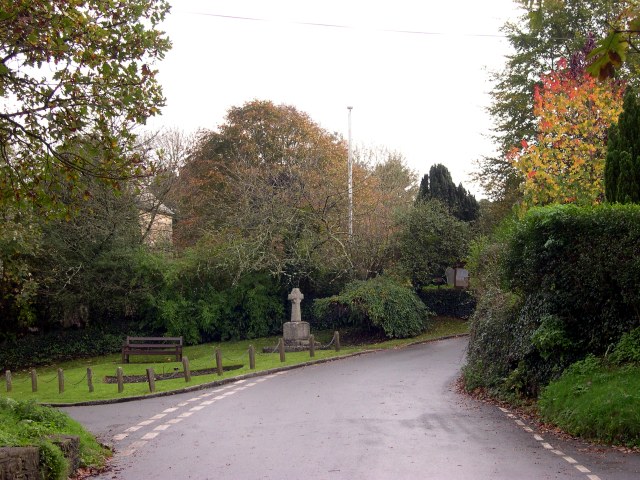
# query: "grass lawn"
[[200, 357]]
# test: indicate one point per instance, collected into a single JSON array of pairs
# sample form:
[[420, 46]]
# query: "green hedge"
[[448, 302], [585, 265], [61, 345], [377, 304], [575, 273]]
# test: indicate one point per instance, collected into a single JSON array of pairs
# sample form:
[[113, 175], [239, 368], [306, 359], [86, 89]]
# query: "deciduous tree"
[[74, 71], [565, 163]]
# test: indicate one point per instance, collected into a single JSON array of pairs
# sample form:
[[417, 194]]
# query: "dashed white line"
[[135, 428], [120, 436], [158, 416], [150, 435], [161, 428], [548, 446], [185, 414], [169, 410], [196, 408], [146, 422], [173, 421], [208, 402]]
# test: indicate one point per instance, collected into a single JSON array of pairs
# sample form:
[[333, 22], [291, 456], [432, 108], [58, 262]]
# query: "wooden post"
[[281, 349], [312, 346], [187, 370], [252, 357], [151, 378], [219, 361], [90, 379], [336, 338], [60, 381], [34, 380], [7, 376], [120, 378]]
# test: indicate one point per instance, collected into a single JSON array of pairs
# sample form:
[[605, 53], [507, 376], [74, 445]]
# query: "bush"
[[448, 302], [628, 349], [576, 271], [252, 308], [60, 345], [379, 303]]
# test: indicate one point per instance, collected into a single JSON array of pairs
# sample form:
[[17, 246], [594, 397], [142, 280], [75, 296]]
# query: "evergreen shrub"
[[380, 303], [448, 302], [574, 271]]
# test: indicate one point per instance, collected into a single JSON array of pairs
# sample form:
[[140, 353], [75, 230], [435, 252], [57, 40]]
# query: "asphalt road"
[[387, 415]]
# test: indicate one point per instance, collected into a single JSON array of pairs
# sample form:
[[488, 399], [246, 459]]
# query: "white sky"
[[422, 95]]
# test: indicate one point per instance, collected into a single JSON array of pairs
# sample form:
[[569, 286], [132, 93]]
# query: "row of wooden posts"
[[151, 380]]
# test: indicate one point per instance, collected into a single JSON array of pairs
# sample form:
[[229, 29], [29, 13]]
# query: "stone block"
[[295, 332], [19, 463]]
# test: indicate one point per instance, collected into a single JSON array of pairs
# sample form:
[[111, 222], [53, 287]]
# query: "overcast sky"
[[422, 94]]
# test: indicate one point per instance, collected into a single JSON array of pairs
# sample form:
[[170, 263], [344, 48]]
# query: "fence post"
[[219, 361], [7, 376], [34, 380], [120, 379], [252, 357], [187, 370], [312, 346], [90, 379], [281, 349], [60, 381], [151, 378], [336, 337]]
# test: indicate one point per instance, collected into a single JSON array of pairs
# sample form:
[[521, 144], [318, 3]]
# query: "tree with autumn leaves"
[[565, 163]]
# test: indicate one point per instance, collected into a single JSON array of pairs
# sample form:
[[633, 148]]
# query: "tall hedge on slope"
[[569, 288]]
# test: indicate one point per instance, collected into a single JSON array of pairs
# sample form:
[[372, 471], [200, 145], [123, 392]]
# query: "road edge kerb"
[[246, 376]]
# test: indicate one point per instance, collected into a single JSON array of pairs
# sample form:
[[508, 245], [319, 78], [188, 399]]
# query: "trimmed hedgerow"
[[574, 271], [377, 304]]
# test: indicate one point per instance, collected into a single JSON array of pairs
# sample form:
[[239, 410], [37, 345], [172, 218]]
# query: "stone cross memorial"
[[296, 332]]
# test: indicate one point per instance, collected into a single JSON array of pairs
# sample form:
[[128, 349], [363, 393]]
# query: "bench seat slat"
[[160, 346]]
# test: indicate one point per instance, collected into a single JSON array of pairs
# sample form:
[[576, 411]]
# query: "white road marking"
[[219, 397], [570, 460], [528, 429], [146, 422], [504, 410], [208, 402], [251, 384], [185, 414], [173, 421], [239, 382], [150, 435], [196, 408], [158, 416], [520, 422], [593, 477], [558, 452], [582, 469], [120, 436], [538, 438], [547, 446], [226, 394], [163, 427], [135, 428], [169, 410], [194, 399], [183, 404]]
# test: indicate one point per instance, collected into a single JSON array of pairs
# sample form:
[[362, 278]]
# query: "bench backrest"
[[154, 340]]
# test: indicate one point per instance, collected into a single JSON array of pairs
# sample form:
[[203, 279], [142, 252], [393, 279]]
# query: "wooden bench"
[[152, 346]]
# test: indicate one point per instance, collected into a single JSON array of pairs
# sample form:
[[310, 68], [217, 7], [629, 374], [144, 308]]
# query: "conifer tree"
[[622, 170], [438, 185]]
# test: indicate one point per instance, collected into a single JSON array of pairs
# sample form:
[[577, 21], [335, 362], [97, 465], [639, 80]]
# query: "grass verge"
[[26, 423], [200, 357], [596, 401]]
